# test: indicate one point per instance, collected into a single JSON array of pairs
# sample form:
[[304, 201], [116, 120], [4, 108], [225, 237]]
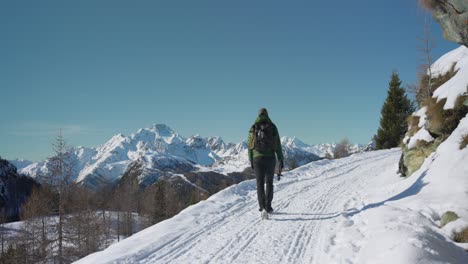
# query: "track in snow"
[[309, 202]]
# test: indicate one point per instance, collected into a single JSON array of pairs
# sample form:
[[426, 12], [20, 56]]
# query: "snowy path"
[[309, 203], [306, 205]]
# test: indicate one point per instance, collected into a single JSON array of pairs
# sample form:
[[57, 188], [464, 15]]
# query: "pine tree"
[[395, 111]]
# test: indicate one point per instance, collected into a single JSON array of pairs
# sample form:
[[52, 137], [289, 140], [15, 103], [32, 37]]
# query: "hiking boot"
[[270, 210]]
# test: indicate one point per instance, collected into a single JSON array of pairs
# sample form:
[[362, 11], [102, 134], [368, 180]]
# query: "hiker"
[[264, 143]]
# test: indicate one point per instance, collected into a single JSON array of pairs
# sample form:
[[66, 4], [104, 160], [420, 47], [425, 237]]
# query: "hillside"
[[14, 190]]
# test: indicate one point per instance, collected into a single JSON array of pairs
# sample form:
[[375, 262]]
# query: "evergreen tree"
[[395, 111]]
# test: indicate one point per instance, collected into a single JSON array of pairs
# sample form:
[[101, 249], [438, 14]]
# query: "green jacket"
[[254, 153]]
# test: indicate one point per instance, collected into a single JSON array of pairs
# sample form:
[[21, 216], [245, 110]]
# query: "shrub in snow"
[[422, 144], [341, 150], [464, 141], [442, 122], [448, 217], [435, 115], [461, 237]]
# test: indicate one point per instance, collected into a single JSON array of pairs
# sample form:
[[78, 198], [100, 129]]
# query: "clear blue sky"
[[98, 68]]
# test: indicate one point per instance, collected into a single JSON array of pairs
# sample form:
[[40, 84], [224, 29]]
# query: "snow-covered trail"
[[309, 203], [306, 204]]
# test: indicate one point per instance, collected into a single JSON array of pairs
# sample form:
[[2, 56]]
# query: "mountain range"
[[160, 151]]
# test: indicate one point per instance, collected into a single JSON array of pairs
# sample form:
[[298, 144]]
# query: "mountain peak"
[[162, 129], [157, 133], [293, 142]]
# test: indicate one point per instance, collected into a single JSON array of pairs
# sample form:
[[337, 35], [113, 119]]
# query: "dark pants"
[[264, 171]]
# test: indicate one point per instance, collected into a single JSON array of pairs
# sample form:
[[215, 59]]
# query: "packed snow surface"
[[351, 210]]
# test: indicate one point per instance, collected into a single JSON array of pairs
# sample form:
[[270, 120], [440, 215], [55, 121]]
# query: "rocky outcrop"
[[452, 15], [440, 114]]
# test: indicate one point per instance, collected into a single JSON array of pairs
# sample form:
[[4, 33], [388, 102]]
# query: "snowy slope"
[[351, 210]]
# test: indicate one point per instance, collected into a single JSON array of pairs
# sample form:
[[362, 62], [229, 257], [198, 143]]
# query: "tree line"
[[64, 221]]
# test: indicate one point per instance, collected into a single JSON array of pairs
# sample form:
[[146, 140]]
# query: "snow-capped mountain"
[[158, 150], [321, 150], [21, 163]]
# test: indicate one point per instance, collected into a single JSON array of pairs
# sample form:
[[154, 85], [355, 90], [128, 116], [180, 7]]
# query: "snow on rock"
[[458, 56], [421, 135], [458, 84], [422, 116]]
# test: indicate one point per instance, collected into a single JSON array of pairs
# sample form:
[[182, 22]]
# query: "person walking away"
[[264, 147]]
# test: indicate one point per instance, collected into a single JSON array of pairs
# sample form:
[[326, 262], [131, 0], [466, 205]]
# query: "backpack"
[[264, 137]]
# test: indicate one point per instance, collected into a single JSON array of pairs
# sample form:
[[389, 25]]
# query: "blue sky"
[[98, 68]]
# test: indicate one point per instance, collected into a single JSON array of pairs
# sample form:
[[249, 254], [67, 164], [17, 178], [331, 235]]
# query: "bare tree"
[[60, 169], [341, 150], [83, 228], [102, 201], [36, 228], [425, 85], [3, 237], [427, 45]]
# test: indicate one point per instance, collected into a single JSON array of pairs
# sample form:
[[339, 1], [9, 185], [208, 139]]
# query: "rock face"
[[452, 15]]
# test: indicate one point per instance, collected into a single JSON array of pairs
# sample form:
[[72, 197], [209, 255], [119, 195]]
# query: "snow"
[[455, 227], [422, 116], [107, 163], [20, 163], [459, 56], [351, 210], [422, 135], [458, 84]]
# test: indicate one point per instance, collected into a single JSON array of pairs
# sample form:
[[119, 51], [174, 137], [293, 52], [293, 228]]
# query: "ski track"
[[306, 211]]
